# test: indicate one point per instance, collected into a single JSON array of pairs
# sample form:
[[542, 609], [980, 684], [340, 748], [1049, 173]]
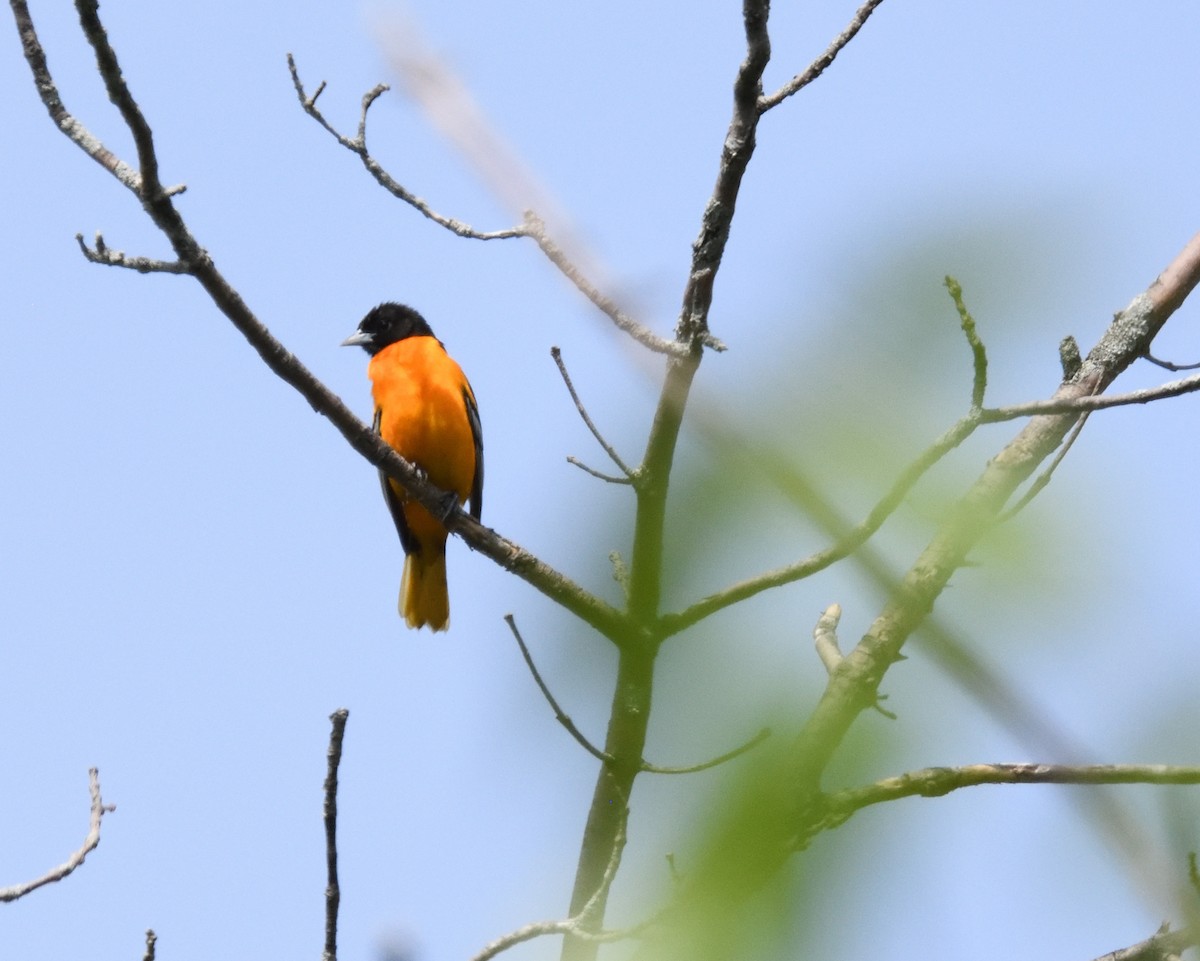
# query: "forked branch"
[[532, 225]]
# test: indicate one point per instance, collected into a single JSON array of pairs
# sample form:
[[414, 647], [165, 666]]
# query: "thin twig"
[[818, 66], [559, 713], [599, 475], [1090, 402], [631, 475], [98, 810], [358, 146], [333, 892], [705, 765], [1167, 365], [151, 945]]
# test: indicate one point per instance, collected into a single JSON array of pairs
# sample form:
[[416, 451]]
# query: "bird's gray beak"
[[356, 339]]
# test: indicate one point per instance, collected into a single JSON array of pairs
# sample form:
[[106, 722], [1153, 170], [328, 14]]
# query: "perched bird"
[[425, 409]]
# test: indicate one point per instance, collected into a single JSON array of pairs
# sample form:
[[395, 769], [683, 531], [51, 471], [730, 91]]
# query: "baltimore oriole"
[[425, 409]]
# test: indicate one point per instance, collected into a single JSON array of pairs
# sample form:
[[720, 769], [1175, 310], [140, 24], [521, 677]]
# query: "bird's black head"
[[386, 324]]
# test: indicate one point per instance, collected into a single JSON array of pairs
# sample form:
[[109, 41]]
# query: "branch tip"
[[560, 715]]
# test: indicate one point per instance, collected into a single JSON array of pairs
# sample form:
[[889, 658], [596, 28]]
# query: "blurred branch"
[[1165, 945], [825, 638], [196, 262], [978, 351], [333, 892], [817, 67], [853, 686], [532, 226], [98, 810], [1073, 397], [151, 945], [851, 539]]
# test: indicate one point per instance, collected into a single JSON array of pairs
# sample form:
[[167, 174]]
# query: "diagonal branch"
[[817, 67], [630, 476], [849, 541], [35, 56], [560, 715], [98, 810], [738, 751]]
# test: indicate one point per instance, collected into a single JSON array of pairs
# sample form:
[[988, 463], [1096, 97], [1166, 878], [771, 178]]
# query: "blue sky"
[[197, 570]]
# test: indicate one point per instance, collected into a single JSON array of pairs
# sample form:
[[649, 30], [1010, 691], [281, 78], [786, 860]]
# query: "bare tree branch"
[[98, 810], [72, 128], [151, 946], [333, 891], [817, 67], [358, 146]]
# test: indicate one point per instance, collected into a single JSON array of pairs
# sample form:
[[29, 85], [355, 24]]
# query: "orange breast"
[[418, 390]]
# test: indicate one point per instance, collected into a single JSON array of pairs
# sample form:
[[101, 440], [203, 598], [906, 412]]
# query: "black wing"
[[477, 434], [407, 541]]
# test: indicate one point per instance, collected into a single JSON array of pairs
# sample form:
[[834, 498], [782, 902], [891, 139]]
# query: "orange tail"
[[423, 596]]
